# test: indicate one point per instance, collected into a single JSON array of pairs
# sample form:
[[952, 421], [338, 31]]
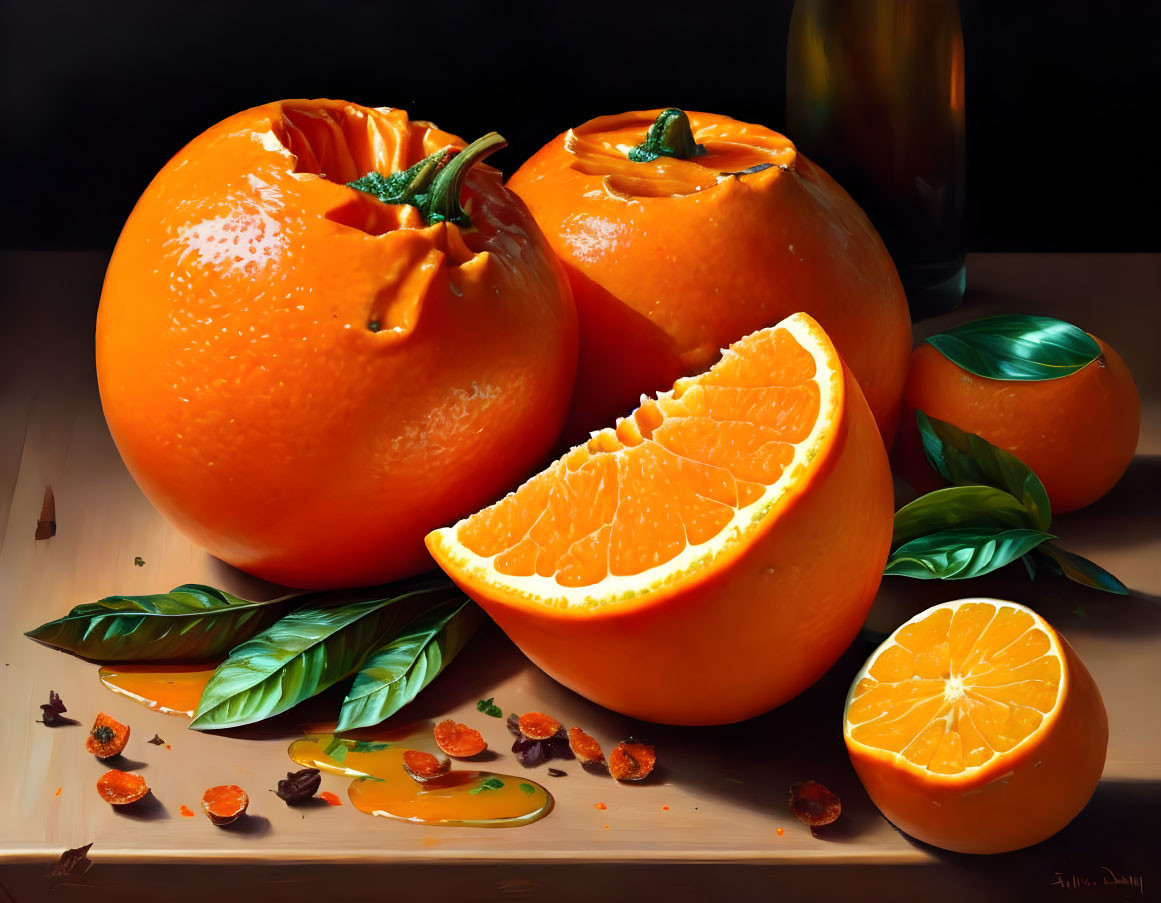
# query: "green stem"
[[444, 205], [670, 136]]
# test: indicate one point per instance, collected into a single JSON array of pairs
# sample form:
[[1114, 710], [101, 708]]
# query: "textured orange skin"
[[244, 390], [1078, 433], [1015, 800], [663, 283], [771, 615]]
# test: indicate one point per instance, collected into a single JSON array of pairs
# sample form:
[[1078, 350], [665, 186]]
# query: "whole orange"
[[1078, 433], [673, 259], [306, 379]]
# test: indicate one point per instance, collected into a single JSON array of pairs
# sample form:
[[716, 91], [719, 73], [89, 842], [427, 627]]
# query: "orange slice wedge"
[[975, 727], [710, 556]]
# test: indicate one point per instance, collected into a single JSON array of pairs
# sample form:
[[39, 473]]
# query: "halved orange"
[[711, 556], [976, 728]]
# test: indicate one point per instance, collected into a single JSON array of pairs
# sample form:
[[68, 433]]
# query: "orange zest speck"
[[781, 831], [664, 808], [186, 811], [331, 798], [600, 806], [58, 790]]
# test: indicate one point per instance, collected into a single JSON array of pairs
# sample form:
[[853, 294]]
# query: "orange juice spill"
[[170, 689], [381, 786]]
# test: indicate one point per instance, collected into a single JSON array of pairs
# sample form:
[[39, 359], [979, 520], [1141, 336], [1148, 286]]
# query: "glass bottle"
[[875, 94]]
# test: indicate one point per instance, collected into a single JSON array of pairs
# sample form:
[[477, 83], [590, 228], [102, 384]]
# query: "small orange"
[[976, 728], [711, 556], [306, 379], [1078, 433]]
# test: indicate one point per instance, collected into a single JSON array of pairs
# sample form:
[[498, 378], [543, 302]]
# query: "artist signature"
[[1106, 878]]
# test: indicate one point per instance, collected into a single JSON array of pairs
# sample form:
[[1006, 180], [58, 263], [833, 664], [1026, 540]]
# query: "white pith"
[[955, 687], [616, 588]]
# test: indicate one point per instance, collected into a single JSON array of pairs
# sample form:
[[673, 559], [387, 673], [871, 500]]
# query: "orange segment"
[[975, 728], [734, 527], [670, 479]]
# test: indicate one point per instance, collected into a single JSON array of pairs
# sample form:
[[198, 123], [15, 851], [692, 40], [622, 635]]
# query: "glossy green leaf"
[[982, 507], [1018, 347], [303, 654], [408, 661], [961, 554], [1080, 570], [961, 457], [190, 623]]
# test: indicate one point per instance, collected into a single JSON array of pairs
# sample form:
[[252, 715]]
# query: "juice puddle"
[[381, 787], [171, 689]]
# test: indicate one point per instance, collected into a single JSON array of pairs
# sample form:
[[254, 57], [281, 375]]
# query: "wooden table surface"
[[725, 787]]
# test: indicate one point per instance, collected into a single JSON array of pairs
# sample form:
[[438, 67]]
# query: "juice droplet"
[[170, 689], [382, 787], [186, 811]]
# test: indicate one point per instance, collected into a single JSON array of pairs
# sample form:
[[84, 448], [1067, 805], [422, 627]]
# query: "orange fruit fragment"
[[734, 527], [107, 738], [225, 804], [976, 728], [1078, 433], [120, 788], [458, 740]]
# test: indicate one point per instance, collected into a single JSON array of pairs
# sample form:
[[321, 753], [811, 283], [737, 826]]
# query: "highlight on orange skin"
[[672, 260]]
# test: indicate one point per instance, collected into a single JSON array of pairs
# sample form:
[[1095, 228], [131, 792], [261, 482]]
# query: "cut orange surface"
[[975, 727], [710, 556]]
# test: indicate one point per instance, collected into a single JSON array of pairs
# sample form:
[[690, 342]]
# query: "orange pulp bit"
[[107, 738], [813, 803], [185, 811], [331, 798], [120, 788], [459, 740], [225, 803], [587, 750], [600, 806], [632, 760], [423, 766], [538, 726]]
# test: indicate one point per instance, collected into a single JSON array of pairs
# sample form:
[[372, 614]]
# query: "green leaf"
[[961, 457], [1018, 346], [488, 707], [301, 655], [490, 784], [527, 788], [961, 554], [1080, 570], [189, 623], [982, 507], [407, 662]]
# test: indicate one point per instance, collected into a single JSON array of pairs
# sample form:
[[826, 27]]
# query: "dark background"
[[1063, 99]]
